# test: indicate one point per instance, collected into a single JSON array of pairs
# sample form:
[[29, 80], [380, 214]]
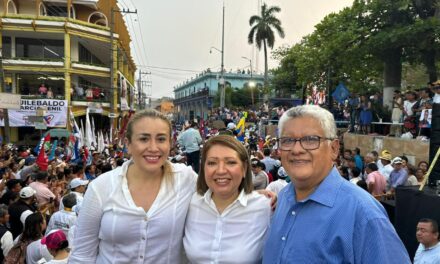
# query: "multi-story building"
[[73, 52], [195, 98]]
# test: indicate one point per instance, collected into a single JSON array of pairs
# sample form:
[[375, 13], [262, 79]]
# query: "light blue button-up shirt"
[[190, 139], [338, 223]]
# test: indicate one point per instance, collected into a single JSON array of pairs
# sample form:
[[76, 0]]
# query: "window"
[[39, 48], [86, 56], [59, 10], [6, 47], [28, 84]]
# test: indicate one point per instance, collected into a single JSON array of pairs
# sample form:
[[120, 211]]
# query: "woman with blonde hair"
[[136, 213]]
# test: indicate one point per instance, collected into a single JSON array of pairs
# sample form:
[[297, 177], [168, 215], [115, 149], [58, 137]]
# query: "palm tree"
[[262, 32]]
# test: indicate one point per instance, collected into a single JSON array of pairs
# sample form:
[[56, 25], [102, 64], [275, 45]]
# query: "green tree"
[[262, 32]]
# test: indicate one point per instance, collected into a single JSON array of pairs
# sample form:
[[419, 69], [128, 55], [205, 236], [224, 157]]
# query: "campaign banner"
[[53, 112]]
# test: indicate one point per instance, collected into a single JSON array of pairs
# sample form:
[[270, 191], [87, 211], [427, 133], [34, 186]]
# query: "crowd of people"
[[411, 112], [207, 195]]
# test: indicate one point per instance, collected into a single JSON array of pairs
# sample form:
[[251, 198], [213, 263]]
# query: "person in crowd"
[[358, 159], [78, 188], [398, 176], [26, 202], [280, 183], [6, 239], [58, 246], [224, 190], [344, 172], [376, 182], [268, 161], [42, 90], [90, 172], [366, 115], [148, 192], [355, 175], [28, 246], [190, 139], [396, 115], [419, 175], [408, 113], [13, 189], [385, 161], [43, 194], [423, 165], [412, 179], [319, 207], [429, 247], [260, 179], [66, 218]]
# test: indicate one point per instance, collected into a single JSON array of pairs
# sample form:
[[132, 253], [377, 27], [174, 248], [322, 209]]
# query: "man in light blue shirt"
[[190, 139], [428, 251], [398, 175], [320, 217], [268, 161]]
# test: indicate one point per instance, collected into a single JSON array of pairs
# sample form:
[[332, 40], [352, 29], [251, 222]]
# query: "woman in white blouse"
[[227, 221], [136, 213]]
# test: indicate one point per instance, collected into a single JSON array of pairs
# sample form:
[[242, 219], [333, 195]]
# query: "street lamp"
[[222, 51], [251, 82]]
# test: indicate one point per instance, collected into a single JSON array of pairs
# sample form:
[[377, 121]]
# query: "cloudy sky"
[[171, 39]]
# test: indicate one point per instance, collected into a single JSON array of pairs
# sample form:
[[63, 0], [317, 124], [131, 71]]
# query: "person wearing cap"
[[26, 201], [43, 193], [58, 246], [190, 139], [260, 179], [64, 219], [321, 217], [280, 183], [386, 169], [6, 239], [78, 188], [398, 176]]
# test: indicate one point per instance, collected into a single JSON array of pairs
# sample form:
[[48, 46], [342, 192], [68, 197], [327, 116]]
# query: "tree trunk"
[[266, 81], [429, 57], [392, 74]]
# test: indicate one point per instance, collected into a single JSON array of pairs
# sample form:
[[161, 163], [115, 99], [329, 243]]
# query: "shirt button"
[[141, 257], [146, 218], [293, 213], [143, 238], [283, 238]]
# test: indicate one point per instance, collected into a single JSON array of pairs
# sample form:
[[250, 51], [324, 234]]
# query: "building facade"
[[195, 98], [74, 51]]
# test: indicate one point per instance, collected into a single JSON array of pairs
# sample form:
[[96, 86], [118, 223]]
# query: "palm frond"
[[254, 20]]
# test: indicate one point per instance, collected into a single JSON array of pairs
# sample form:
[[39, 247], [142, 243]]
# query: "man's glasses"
[[307, 142]]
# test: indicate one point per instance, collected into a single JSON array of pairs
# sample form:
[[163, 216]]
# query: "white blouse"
[[112, 229], [235, 236]]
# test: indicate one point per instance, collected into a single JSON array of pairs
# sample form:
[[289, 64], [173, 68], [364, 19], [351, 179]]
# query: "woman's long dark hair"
[[32, 227]]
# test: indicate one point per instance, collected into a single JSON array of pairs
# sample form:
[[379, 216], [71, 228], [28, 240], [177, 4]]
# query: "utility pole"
[[141, 99], [2, 84], [114, 49], [222, 79]]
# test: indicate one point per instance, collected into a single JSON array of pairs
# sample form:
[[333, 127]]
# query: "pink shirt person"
[[377, 182]]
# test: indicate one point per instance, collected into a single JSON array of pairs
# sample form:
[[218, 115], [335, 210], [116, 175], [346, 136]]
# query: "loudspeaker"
[[434, 144]]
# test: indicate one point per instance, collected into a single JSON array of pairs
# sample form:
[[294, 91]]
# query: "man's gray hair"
[[3, 210], [323, 116]]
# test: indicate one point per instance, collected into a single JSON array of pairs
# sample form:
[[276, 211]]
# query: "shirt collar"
[[327, 191], [242, 198], [429, 248]]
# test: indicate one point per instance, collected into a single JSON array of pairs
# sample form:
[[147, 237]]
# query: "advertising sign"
[[10, 101], [55, 113]]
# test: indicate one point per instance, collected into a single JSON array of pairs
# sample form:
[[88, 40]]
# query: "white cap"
[[77, 182], [27, 192], [396, 160], [231, 126], [24, 215]]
